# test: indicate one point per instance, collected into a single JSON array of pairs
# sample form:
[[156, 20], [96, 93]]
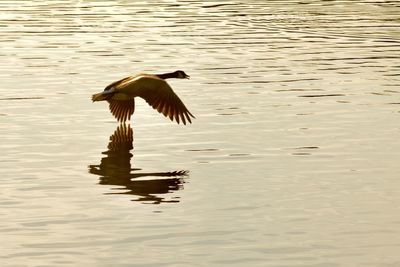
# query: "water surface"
[[292, 159]]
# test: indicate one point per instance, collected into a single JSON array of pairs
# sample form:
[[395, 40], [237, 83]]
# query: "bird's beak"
[[187, 77]]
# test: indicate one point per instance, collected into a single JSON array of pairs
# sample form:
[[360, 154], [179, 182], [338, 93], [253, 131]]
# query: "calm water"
[[293, 159]]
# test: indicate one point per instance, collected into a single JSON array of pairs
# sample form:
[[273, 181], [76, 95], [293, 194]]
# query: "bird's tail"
[[101, 96]]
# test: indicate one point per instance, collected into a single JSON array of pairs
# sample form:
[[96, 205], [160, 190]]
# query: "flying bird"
[[151, 87]]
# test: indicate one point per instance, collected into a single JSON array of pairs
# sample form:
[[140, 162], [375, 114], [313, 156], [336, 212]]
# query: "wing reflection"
[[115, 169]]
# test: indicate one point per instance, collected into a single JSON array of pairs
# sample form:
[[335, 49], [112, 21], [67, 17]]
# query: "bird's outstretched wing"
[[162, 98], [117, 83], [122, 109]]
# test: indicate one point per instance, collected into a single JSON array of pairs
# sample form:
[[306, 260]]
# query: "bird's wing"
[[122, 109], [162, 98], [117, 83]]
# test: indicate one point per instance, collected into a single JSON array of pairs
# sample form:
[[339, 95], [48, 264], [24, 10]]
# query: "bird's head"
[[180, 74]]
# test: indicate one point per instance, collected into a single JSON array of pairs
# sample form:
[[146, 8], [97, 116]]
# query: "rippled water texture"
[[292, 160]]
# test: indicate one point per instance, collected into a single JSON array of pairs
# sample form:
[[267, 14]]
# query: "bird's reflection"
[[115, 169]]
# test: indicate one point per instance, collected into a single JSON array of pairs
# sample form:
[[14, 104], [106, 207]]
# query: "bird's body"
[[151, 87]]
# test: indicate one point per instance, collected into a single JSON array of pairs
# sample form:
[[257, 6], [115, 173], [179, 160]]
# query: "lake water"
[[292, 160]]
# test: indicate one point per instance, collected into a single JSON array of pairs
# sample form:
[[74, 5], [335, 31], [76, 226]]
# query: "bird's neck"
[[166, 75]]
